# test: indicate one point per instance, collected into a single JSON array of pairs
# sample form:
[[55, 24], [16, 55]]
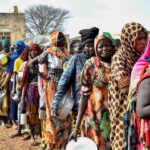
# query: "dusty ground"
[[17, 143]]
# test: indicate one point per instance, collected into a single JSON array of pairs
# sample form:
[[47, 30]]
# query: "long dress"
[[57, 130], [31, 99], [122, 64], [96, 122]]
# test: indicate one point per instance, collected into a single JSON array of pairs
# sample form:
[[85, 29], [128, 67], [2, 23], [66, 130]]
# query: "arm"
[[65, 82], [86, 81], [82, 109], [143, 99], [23, 94], [14, 84], [6, 81], [32, 62]]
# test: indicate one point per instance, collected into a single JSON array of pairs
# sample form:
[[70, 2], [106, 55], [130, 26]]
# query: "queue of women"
[[108, 83]]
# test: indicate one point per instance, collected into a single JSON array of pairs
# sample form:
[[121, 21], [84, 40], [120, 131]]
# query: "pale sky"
[[107, 15]]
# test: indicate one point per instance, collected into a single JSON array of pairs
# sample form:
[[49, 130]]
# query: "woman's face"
[[89, 49], [61, 41], [141, 42], [33, 53], [76, 48], [104, 49]]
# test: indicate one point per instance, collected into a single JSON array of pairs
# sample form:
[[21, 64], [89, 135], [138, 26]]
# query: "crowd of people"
[[107, 78]]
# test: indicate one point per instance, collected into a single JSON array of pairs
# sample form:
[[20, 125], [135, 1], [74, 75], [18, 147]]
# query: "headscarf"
[[88, 35], [19, 50], [36, 47], [141, 62], [25, 54], [60, 52], [129, 35], [17, 53], [105, 36]]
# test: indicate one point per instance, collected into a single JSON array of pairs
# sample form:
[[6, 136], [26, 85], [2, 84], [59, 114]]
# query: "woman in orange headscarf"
[[57, 130]]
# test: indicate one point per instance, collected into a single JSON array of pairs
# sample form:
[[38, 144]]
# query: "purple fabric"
[[32, 96]]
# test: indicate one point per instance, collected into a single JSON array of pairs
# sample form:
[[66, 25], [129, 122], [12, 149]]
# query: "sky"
[[107, 15]]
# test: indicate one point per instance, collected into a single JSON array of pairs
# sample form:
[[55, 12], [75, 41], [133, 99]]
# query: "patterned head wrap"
[[25, 54], [60, 52], [130, 33], [105, 36], [36, 47]]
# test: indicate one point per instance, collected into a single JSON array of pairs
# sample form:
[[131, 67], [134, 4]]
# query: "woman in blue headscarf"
[[19, 47]]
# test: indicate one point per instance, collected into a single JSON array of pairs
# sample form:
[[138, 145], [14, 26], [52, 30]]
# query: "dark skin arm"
[[81, 112], [23, 94], [6, 81], [32, 62], [31, 65], [14, 84], [143, 99]]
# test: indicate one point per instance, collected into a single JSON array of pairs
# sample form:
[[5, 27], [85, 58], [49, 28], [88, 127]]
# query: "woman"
[[76, 47], [17, 84], [143, 109], [132, 138], [94, 95], [19, 46], [70, 79], [133, 39], [30, 95], [57, 130]]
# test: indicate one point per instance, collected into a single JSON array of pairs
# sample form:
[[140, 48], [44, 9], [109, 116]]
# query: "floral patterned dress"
[[96, 121]]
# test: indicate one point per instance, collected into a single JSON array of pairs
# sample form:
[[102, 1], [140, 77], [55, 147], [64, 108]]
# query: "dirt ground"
[[17, 143]]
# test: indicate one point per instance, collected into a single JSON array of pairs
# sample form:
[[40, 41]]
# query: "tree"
[[43, 19]]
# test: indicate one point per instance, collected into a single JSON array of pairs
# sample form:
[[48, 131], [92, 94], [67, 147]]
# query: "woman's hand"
[[73, 135], [54, 111]]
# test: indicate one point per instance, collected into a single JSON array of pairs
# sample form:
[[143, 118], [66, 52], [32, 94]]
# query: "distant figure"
[[76, 47]]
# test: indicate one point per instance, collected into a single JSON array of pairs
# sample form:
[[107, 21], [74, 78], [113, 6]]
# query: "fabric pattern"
[[96, 122], [132, 137], [4, 102], [32, 105], [121, 67], [57, 131]]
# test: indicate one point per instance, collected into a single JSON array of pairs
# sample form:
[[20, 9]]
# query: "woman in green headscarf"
[[94, 95]]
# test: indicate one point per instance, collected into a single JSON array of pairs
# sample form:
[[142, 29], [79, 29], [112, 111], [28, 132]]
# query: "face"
[[104, 49], [33, 53], [89, 49], [76, 48], [141, 42], [61, 41]]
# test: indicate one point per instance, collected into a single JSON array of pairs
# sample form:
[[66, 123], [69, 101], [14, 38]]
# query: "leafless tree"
[[43, 19]]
